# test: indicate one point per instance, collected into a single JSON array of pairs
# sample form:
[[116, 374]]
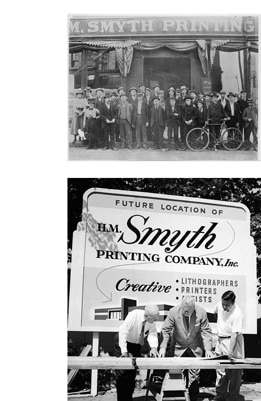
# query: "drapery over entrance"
[[124, 49]]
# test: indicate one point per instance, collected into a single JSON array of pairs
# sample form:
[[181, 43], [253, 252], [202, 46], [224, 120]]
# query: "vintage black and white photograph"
[[164, 289], [163, 87]]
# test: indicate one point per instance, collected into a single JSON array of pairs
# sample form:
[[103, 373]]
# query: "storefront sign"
[[213, 25], [157, 249]]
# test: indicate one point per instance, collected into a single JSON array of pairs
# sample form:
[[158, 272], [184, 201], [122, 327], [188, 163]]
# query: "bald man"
[[188, 325], [138, 325]]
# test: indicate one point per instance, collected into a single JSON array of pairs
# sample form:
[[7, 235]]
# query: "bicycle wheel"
[[232, 139], [197, 139]]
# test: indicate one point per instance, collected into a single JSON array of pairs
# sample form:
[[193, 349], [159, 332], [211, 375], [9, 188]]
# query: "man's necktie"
[[142, 333], [187, 322]]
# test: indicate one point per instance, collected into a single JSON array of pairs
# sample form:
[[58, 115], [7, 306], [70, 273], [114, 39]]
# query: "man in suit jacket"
[[188, 117], [232, 110], [141, 121], [188, 325], [157, 122], [173, 121], [108, 113]]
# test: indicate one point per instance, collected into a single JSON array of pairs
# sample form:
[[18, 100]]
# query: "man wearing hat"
[[142, 89], [200, 114], [149, 102], [194, 95], [232, 111], [79, 106], [243, 104], [171, 95], [132, 99], [188, 116], [108, 122], [215, 114], [156, 91], [157, 122], [99, 97], [173, 121], [124, 119], [250, 119], [223, 99], [140, 121], [92, 126]]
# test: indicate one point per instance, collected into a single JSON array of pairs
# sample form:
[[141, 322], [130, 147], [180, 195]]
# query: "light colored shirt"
[[228, 322], [131, 328], [232, 108]]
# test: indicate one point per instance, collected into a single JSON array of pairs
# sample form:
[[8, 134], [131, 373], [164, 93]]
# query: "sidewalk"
[[249, 392]]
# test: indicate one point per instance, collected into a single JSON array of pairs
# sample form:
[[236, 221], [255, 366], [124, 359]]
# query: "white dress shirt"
[[131, 328]]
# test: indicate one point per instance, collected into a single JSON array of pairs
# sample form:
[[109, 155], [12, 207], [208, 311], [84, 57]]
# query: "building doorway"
[[167, 72]]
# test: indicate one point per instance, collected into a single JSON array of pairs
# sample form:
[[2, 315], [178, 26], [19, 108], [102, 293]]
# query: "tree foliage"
[[244, 190]]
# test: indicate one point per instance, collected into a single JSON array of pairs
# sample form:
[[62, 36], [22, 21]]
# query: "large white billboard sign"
[[158, 248]]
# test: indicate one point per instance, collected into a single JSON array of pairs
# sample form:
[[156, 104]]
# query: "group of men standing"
[[186, 333], [144, 115]]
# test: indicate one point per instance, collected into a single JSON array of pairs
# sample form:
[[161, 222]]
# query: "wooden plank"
[[161, 363], [73, 372]]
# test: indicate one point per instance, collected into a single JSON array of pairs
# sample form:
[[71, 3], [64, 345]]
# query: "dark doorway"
[[167, 72]]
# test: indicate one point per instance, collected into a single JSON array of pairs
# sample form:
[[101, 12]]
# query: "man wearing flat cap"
[[133, 99]]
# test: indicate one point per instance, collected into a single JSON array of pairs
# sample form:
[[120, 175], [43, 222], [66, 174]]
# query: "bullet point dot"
[[177, 281], [177, 289]]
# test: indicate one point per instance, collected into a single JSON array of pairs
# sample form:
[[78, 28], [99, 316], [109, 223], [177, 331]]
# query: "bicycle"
[[198, 139]]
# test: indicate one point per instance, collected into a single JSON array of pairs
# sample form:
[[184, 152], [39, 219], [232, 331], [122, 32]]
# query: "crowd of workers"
[[102, 117]]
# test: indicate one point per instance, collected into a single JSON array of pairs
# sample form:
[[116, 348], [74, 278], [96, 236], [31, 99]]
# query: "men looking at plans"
[[138, 325], [230, 342], [188, 328]]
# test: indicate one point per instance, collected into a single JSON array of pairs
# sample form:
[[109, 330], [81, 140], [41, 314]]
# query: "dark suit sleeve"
[[167, 329], [206, 332]]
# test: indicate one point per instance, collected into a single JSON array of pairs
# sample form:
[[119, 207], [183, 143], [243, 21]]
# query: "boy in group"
[[172, 120], [108, 118]]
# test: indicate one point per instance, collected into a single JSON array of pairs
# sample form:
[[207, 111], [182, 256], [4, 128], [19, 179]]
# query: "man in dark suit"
[[149, 102], [141, 121], [173, 121], [108, 113], [157, 122], [188, 116], [215, 114], [243, 104], [232, 110], [187, 326]]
